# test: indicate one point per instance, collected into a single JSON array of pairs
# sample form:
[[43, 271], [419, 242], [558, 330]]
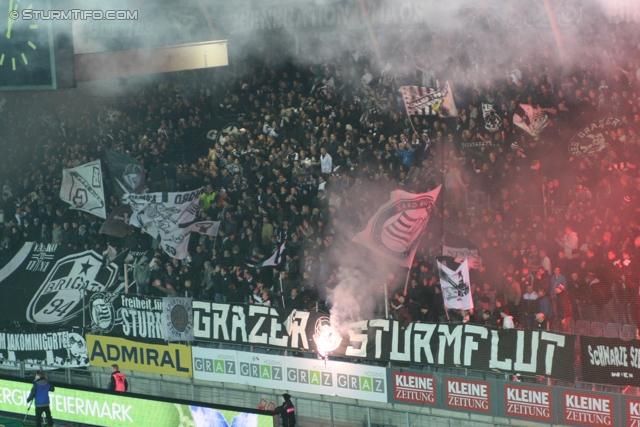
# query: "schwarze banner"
[[472, 346], [610, 360]]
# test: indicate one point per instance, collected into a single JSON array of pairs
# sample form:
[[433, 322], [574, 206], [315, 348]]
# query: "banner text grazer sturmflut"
[[472, 346]]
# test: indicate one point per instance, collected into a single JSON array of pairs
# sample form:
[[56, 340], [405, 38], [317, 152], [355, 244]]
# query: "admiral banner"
[[169, 359], [472, 346], [303, 375], [50, 350], [50, 285], [610, 361]]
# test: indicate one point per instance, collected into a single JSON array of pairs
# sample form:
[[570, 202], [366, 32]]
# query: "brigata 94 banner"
[[117, 410]]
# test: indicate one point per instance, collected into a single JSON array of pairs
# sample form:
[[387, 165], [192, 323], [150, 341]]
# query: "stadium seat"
[[598, 325], [614, 327], [583, 324], [609, 333], [629, 332], [596, 332], [582, 331]]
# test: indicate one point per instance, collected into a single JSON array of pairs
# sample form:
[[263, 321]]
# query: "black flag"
[[127, 174]]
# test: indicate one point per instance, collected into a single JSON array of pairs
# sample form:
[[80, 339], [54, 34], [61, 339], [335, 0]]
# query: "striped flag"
[[422, 101], [395, 229]]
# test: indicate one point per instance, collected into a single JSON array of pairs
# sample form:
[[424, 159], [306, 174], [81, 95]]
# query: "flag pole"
[[406, 283], [282, 291], [386, 299]]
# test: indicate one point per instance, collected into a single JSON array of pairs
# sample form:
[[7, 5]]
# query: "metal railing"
[[313, 410]]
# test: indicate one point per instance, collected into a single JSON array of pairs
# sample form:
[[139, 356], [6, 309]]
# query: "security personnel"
[[287, 411], [118, 380], [40, 392]]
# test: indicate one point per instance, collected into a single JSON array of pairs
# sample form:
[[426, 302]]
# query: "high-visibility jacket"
[[119, 382]]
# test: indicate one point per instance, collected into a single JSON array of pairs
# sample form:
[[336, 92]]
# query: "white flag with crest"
[[394, 230], [167, 217], [82, 188], [456, 288]]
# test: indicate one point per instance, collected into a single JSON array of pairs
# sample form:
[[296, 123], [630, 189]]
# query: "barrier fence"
[[417, 396]]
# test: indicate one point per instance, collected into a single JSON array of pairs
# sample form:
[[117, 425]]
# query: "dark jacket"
[[288, 414], [40, 392]]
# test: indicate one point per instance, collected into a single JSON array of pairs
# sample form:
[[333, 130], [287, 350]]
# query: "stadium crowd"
[[315, 151]]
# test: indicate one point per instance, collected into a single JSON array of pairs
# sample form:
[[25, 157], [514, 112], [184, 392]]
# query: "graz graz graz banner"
[[472, 346], [610, 360]]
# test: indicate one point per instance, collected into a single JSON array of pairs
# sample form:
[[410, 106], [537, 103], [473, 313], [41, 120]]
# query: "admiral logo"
[[633, 413], [468, 395], [311, 377], [361, 383], [528, 402], [414, 388], [263, 372], [60, 295], [587, 409], [215, 366]]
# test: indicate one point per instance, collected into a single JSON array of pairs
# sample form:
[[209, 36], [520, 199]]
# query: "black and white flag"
[[455, 284], [460, 249], [127, 174], [394, 230], [117, 223], [531, 119], [422, 101], [166, 217], [82, 189], [492, 120], [209, 228]]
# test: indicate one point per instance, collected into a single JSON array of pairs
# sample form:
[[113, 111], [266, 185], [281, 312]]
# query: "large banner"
[[50, 284], [170, 359], [167, 217], [291, 373], [130, 316], [472, 346], [610, 360], [49, 350], [120, 410]]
